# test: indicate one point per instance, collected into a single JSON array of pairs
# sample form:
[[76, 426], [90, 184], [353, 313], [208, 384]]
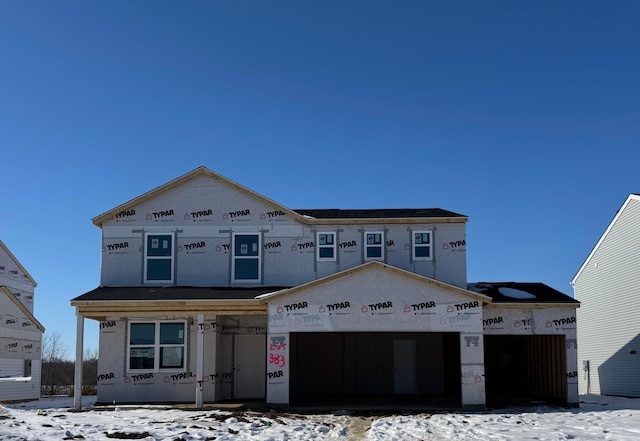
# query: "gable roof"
[[307, 216], [631, 197], [523, 295], [367, 267], [200, 171], [18, 264], [4, 290]]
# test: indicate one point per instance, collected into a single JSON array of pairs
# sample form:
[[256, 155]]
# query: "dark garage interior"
[[524, 369], [385, 368]]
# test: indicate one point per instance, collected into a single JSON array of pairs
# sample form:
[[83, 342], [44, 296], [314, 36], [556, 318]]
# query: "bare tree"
[[90, 369], [53, 348], [55, 375], [58, 371]]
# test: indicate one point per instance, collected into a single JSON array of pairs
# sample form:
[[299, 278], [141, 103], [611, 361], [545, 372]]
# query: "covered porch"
[[223, 328]]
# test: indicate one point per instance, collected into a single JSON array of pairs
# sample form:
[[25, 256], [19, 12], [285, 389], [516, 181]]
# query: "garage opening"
[[391, 368], [521, 369]]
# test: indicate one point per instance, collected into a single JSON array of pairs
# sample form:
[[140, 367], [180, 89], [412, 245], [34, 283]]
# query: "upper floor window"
[[326, 247], [155, 346], [246, 264], [421, 245], [158, 259], [374, 245]]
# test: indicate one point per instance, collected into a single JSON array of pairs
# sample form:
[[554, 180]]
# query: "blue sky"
[[522, 115]]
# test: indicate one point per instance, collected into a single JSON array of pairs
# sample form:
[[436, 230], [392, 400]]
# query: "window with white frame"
[[246, 264], [421, 245], [158, 258], [374, 245], [156, 346], [326, 247]]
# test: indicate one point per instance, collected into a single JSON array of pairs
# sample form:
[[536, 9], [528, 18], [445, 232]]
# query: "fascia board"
[[384, 221], [531, 305], [176, 302]]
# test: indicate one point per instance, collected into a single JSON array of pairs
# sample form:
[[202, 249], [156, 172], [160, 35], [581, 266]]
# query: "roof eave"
[[393, 220], [537, 305]]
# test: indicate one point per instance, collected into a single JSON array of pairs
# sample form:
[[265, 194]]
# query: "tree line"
[[57, 377]]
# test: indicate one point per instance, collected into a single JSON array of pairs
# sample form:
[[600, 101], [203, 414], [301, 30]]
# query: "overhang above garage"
[[523, 295]]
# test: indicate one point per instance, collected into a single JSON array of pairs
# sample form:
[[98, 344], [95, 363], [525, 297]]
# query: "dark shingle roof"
[[173, 293], [517, 292], [389, 213]]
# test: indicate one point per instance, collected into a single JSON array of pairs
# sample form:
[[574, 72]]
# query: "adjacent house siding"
[[608, 324], [19, 390], [20, 342]]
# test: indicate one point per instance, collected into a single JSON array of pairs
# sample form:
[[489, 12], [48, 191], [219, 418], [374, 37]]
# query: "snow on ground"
[[598, 418]]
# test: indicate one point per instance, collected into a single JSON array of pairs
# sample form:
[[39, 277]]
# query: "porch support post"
[[200, 362], [77, 381]]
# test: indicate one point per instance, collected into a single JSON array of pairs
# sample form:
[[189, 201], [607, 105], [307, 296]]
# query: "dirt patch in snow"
[[358, 427]]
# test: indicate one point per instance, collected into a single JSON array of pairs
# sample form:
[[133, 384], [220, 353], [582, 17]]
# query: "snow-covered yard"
[[598, 418]]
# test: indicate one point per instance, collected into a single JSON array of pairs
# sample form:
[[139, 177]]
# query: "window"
[[246, 258], [374, 245], [158, 262], [421, 245], [155, 346], [326, 247]]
